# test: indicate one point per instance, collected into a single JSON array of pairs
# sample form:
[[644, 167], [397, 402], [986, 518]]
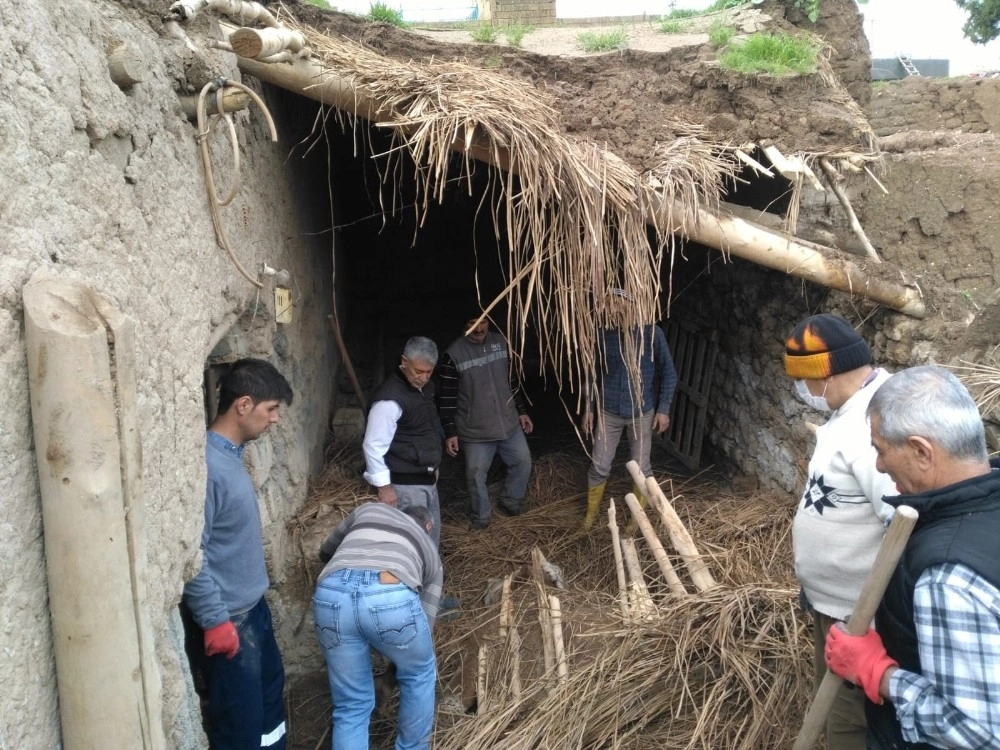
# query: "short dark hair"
[[420, 514], [255, 378]]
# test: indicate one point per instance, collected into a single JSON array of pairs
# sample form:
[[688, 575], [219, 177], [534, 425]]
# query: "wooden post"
[[82, 379], [669, 575], [681, 539], [515, 664], [641, 602], [544, 621], [125, 66], [619, 565], [831, 177], [562, 668], [262, 43], [233, 100], [481, 686], [505, 607]]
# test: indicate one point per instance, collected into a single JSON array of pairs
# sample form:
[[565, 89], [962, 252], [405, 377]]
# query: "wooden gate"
[[693, 351]]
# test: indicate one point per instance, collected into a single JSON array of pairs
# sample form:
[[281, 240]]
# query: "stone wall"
[[970, 105], [529, 12], [106, 186], [755, 424]]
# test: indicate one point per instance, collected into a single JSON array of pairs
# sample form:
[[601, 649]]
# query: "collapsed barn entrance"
[[399, 275], [399, 281]]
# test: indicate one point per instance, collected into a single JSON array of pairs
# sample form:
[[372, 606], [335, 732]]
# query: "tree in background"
[[984, 19]]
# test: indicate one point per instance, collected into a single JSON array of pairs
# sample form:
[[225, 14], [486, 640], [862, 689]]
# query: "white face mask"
[[813, 402]]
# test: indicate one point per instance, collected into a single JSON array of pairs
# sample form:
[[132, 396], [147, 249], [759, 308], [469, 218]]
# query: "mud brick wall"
[[971, 105], [531, 12]]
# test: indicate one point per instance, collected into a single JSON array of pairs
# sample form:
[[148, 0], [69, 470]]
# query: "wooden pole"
[[730, 235], [514, 644], [505, 607], [619, 564], [233, 100], [83, 387], [562, 668], [681, 539], [544, 621], [903, 521], [125, 66], [641, 602], [481, 682], [831, 177], [673, 582]]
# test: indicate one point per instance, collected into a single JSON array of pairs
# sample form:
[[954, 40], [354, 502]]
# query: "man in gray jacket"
[[483, 413]]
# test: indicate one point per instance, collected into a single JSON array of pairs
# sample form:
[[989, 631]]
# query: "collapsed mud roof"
[[584, 170]]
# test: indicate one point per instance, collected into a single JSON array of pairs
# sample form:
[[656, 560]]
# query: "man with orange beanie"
[[840, 520]]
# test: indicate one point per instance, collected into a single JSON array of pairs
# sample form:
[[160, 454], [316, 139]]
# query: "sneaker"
[[478, 524]]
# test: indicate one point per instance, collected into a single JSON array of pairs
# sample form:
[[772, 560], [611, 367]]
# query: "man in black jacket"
[[931, 667]]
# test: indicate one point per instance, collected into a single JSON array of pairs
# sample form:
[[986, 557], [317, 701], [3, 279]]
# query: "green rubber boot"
[[594, 496]]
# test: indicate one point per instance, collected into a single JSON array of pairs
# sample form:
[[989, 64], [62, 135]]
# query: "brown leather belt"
[[384, 576]]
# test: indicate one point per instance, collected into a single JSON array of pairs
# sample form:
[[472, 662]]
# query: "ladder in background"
[[908, 66]]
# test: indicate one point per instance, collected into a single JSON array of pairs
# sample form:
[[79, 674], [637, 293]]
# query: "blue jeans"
[[245, 705], [354, 613], [513, 451]]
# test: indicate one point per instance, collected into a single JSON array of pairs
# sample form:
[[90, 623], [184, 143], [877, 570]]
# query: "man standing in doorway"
[[634, 400], [931, 667], [484, 414], [840, 520], [224, 604], [402, 442]]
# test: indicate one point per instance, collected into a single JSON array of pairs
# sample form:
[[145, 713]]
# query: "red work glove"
[[222, 639], [860, 659]]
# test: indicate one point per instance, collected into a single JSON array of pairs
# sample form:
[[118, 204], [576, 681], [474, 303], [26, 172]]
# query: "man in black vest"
[[931, 667], [402, 442]]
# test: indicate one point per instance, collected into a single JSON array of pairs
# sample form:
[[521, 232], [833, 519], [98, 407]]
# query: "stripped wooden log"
[[655, 546], [831, 178], [640, 602], [680, 537], [619, 564], [506, 611], [514, 646], [562, 668]]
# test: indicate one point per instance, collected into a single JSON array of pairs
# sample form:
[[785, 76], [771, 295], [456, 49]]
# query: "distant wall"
[[971, 105], [529, 12], [891, 69]]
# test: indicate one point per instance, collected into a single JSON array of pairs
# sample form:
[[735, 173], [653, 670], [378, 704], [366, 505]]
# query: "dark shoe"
[[478, 524], [448, 609], [509, 506]]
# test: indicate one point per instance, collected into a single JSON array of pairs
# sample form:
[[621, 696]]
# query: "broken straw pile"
[[679, 659]]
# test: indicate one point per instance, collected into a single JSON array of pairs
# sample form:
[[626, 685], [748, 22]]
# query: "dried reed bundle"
[[575, 214], [983, 381], [728, 668]]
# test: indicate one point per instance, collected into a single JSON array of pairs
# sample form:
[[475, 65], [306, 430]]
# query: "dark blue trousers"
[[246, 709]]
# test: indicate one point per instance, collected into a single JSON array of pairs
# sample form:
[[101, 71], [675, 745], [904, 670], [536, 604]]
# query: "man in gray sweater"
[[484, 414], [380, 589], [228, 623]]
